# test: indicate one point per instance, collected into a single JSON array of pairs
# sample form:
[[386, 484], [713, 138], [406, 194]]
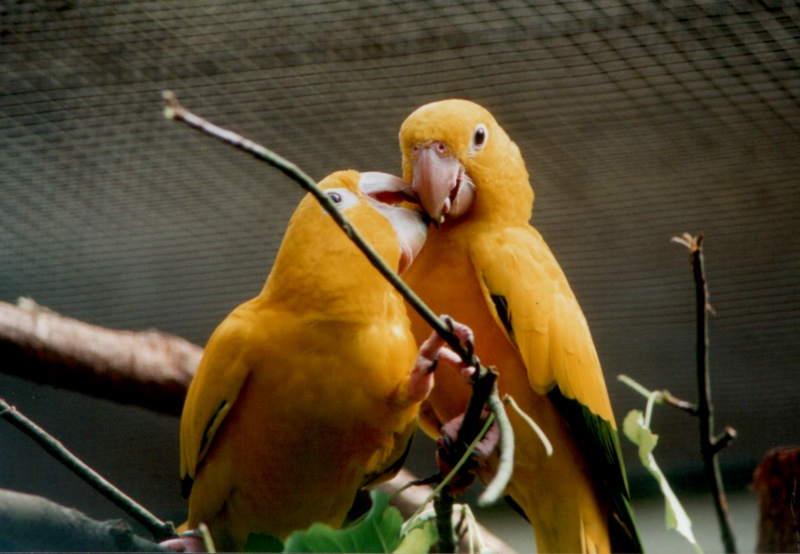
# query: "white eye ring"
[[479, 137], [343, 198]]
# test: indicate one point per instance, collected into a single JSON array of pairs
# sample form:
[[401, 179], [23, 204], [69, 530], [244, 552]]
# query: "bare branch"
[[149, 369], [173, 110], [709, 446], [158, 528], [678, 403], [721, 440], [31, 523], [505, 468], [663, 396]]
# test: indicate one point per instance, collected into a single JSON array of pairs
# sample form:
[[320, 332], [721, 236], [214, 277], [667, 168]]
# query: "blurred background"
[[639, 120]]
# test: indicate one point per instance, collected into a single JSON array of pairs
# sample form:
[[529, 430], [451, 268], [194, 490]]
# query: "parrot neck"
[[349, 290], [319, 270], [502, 185], [513, 207]]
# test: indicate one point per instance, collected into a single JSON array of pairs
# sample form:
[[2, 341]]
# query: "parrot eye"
[[479, 137], [343, 198]]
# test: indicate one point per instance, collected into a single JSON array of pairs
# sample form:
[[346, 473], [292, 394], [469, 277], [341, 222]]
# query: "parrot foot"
[[466, 339], [447, 456], [433, 351]]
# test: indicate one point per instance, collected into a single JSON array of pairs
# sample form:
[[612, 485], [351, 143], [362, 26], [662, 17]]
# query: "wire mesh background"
[[639, 120]]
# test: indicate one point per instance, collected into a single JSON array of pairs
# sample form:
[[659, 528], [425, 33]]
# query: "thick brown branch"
[[33, 524], [149, 369]]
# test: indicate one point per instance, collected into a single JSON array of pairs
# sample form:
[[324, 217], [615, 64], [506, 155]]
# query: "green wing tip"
[[186, 486], [600, 443]]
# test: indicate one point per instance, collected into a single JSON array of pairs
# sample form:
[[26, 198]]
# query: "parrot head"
[[460, 161], [371, 201]]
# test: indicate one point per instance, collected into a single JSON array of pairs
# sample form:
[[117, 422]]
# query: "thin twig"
[[662, 396], [173, 110], [709, 445], [505, 467], [722, 440], [159, 529]]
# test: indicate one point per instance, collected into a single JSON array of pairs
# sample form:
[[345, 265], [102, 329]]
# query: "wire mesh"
[[639, 120]]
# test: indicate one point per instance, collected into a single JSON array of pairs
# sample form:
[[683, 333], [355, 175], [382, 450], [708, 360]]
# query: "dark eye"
[[336, 197], [479, 136]]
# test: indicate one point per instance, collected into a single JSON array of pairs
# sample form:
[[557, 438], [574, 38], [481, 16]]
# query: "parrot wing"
[[216, 385], [530, 298]]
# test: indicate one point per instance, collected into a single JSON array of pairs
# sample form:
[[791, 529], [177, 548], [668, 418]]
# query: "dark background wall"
[[638, 120]]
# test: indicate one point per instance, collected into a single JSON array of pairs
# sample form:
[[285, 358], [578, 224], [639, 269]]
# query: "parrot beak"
[[385, 192], [386, 188], [441, 181]]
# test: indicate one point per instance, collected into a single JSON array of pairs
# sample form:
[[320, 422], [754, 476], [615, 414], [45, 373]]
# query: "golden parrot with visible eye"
[[306, 393], [488, 268]]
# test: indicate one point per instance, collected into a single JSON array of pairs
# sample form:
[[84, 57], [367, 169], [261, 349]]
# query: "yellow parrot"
[[306, 393], [486, 266]]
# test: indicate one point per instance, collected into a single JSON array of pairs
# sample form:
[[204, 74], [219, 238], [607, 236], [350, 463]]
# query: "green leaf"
[[636, 430], [378, 531], [419, 540], [260, 542]]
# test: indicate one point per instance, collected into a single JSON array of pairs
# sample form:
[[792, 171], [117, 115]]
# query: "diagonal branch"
[[175, 111], [159, 529], [471, 427]]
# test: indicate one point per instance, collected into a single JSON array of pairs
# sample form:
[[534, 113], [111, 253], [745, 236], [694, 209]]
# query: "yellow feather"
[[489, 269], [302, 394]]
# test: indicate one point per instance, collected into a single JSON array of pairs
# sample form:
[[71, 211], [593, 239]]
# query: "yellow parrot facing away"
[[486, 266], [306, 393]]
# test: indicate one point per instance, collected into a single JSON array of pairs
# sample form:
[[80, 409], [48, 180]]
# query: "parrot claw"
[[433, 351], [464, 333], [466, 339], [447, 456]]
